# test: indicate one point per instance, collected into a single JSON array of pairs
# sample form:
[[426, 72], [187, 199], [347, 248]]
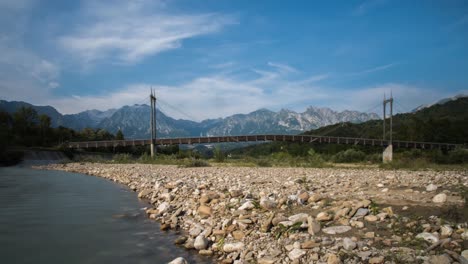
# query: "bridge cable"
[[189, 117]]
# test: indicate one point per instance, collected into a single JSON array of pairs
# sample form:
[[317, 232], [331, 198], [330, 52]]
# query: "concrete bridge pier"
[[387, 155]]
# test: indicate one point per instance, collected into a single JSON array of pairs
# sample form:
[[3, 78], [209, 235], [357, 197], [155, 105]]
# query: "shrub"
[[349, 155], [219, 155], [314, 158], [197, 163], [263, 163], [458, 155], [122, 158]]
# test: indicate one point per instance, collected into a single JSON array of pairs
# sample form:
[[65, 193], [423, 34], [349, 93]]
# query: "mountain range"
[[134, 121]]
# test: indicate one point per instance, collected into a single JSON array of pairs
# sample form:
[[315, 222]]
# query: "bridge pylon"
[[153, 123], [387, 155]]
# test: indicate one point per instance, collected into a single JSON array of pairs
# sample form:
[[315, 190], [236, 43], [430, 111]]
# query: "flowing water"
[[60, 217]]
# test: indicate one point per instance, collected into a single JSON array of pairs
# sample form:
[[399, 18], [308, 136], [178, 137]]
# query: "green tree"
[[24, 124], [119, 135], [44, 125]]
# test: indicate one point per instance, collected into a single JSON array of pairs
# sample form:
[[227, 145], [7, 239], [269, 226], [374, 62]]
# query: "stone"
[[180, 240], [464, 257], [361, 212], [428, 237], [205, 252], [278, 219], [235, 193], [267, 203], [313, 227], [314, 198], [357, 224], [238, 235], [309, 244], [144, 193], [204, 210], [333, 230], [247, 206], [388, 211], [266, 261], [349, 244], [178, 260], [439, 259], [333, 259], [342, 212], [200, 242], [233, 247], [431, 187], [440, 198], [163, 208], [189, 243], [296, 254], [376, 260], [195, 230], [323, 216], [298, 218], [369, 235], [303, 197], [446, 230], [371, 218], [267, 225]]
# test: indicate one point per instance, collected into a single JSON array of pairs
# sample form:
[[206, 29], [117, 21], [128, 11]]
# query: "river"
[[60, 217]]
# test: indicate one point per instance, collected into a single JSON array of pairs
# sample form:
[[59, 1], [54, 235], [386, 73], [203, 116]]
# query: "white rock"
[[464, 257], [440, 198], [302, 217], [200, 242], [428, 237], [333, 230], [296, 254], [163, 207], [464, 235], [247, 206], [431, 187], [361, 212], [446, 230], [384, 190], [232, 247], [349, 244], [178, 260], [195, 230]]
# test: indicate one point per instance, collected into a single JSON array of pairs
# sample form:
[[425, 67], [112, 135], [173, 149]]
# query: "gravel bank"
[[302, 215]]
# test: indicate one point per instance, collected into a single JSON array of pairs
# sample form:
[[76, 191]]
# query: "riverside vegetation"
[[302, 215]]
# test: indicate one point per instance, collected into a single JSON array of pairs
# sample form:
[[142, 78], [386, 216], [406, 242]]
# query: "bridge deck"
[[255, 138]]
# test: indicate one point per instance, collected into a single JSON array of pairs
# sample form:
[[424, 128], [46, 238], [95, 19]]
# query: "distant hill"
[[445, 121], [134, 121]]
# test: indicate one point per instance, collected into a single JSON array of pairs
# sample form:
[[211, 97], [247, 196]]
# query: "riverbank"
[[303, 215]]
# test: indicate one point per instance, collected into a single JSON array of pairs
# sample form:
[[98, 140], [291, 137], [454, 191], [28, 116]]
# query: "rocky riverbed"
[[302, 215]]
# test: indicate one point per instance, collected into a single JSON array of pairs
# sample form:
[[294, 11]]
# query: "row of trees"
[[27, 128]]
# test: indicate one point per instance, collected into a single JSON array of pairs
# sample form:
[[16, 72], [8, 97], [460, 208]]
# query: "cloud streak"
[[375, 69], [131, 31]]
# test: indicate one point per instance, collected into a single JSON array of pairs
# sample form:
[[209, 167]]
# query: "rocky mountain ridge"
[[134, 121]]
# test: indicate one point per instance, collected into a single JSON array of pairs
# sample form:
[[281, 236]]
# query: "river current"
[[61, 217]]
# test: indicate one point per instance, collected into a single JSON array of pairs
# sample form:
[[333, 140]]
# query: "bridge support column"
[[387, 155], [152, 149]]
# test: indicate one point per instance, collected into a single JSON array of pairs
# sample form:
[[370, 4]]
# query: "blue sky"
[[216, 58]]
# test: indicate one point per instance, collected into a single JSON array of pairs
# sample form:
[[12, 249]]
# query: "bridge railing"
[[267, 137]]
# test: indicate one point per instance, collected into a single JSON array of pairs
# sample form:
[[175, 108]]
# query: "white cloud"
[[375, 69], [216, 96], [283, 67], [128, 31]]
